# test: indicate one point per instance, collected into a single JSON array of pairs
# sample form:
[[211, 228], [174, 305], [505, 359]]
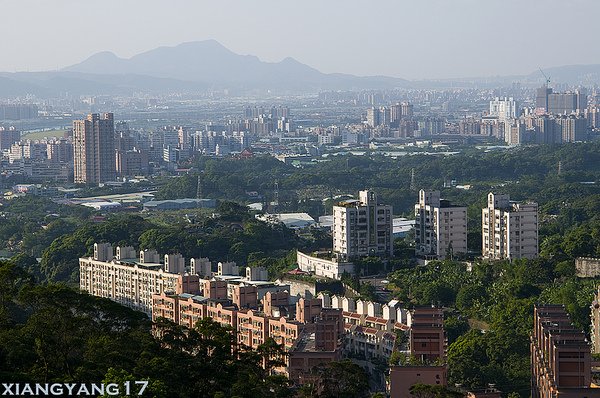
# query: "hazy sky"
[[404, 38]]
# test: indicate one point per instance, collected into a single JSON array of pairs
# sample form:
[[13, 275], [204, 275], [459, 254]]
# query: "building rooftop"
[[194, 297], [290, 220], [154, 203]]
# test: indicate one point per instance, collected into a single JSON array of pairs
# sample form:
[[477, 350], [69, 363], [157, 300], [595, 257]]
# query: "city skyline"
[[425, 40]]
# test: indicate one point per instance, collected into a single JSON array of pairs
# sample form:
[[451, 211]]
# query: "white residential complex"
[[509, 229], [128, 280], [440, 228], [362, 227], [504, 108]]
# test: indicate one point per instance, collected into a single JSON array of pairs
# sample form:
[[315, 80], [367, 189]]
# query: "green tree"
[[337, 379]]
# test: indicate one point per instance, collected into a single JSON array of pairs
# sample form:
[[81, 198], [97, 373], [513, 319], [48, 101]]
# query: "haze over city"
[[413, 40]]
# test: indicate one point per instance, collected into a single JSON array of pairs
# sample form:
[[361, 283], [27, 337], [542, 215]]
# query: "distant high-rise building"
[[561, 103], [373, 117], [94, 149], [515, 132], [573, 128], [132, 163], [541, 99], [18, 111], [593, 116], [59, 150], [440, 228], [8, 137], [407, 109], [509, 230], [504, 108], [395, 114], [362, 227]]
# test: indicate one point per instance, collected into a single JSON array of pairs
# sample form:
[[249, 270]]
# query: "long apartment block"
[[131, 280], [311, 335]]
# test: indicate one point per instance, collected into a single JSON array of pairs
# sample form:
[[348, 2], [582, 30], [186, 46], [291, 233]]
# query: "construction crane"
[[546, 77]]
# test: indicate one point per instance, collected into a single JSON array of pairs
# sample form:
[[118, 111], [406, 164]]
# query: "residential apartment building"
[[328, 267], [8, 137], [560, 356], [504, 108], [440, 228], [362, 227], [130, 282], [509, 229], [94, 149], [313, 340], [427, 343]]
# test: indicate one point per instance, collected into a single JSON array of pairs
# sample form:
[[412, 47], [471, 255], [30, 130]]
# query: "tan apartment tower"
[[440, 228], [362, 227], [94, 149], [509, 230]]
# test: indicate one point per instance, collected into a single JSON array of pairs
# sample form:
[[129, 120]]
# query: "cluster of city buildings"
[[399, 121], [556, 118], [552, 118], [98, 150], [40, 161], [312, 330]]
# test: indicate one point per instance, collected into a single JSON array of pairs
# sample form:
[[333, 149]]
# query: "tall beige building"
[[440, 228], [362, 227], [94, 149], [509, 230]]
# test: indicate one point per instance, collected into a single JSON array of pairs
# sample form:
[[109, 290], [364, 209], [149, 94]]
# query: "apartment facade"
[[310, 343], [560, 356], [327, 267], [440, 228], [504, 108], [94, 149], [129, 282], [509, 230], [427, 343], [362, 227]]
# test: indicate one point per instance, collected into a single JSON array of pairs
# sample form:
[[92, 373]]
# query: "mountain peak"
[[102, 62]]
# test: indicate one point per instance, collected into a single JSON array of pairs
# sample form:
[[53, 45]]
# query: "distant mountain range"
[[198, 66], [215, 66]]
